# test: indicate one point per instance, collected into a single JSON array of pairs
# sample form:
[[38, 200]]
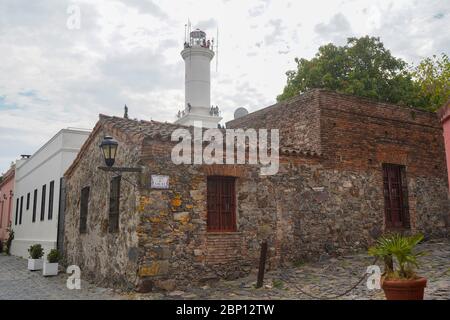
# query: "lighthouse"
[[197, 55]]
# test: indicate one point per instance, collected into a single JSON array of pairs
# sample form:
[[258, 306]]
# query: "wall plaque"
[[159, 181]]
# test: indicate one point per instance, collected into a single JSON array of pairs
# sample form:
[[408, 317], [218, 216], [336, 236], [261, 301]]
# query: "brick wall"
[[360, 135], [297, 119]]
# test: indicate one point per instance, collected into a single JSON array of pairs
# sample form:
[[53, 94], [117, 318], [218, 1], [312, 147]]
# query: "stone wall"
[[297, 119], [177, 249], [108, 259], [304, 211]]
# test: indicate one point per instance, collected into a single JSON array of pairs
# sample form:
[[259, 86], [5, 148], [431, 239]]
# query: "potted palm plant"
[[35, 261], [399, 280], [51, 265]]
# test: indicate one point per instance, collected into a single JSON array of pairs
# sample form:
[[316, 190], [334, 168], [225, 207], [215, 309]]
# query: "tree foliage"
[[365, 68], [433, 78]]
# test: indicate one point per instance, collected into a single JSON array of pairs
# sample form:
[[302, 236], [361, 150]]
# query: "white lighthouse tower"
[[197, 54]]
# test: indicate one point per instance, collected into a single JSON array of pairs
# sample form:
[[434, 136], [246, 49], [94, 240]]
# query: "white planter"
[[50, 269], [35, 264]]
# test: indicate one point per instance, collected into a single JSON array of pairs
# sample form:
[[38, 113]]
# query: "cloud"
[[128, 52], [277, 32], [439, 15], [417, 32], [259, 9], [337, 30], [147, 7], [207, 24], [140, 71]]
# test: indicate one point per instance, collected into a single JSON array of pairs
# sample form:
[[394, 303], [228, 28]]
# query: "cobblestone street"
[[17, 283], [326, 278]]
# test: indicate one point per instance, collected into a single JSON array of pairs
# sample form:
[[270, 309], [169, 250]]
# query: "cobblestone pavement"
[[326, 278], [17, 283]]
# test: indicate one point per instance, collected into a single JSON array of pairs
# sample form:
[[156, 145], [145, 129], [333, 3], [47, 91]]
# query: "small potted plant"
[[51, 265], [35, 261], [399, 280]]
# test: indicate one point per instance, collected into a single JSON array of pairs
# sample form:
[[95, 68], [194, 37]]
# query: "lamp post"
[[109, 148]]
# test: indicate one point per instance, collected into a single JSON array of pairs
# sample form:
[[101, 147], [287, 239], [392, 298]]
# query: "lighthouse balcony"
[[198, 120]]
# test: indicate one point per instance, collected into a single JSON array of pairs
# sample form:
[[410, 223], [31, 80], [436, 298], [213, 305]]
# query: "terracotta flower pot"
[[404, 289]]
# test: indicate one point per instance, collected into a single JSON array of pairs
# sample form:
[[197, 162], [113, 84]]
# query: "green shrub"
[[398, 249], [53, 256], [36, 251]]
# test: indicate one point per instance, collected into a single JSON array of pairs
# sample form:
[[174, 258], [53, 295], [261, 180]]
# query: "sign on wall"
[[159, 181]]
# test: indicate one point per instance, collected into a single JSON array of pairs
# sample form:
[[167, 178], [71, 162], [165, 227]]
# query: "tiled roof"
[[138, 130], [141, 129]]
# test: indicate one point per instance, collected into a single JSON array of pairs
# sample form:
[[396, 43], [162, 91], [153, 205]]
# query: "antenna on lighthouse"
[[189, 31], [217, 49]]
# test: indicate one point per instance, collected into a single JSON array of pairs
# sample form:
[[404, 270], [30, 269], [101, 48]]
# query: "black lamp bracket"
[[119, 170]]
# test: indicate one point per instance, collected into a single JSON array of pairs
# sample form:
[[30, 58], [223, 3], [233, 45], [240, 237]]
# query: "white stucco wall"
[[48, 164]]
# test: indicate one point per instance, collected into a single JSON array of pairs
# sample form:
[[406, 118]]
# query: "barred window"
[[84, 205], [114, 204], [35, 204], [50, 200], [221, 202], [17, 212], [28, 201], [21, 210], [44, 188]]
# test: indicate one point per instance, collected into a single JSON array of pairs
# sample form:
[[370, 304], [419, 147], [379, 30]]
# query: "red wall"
[[444, 114], [6, 202]]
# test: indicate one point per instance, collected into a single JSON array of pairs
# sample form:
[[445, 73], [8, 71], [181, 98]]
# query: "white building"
[[197, 55], [38, 181]]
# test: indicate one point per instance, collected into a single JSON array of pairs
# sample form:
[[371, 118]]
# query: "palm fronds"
[[400, 248]]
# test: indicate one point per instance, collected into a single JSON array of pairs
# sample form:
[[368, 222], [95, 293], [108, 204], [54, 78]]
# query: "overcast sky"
[[128, 52]]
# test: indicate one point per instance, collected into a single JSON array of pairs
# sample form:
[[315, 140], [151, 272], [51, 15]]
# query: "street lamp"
[[109, 149]]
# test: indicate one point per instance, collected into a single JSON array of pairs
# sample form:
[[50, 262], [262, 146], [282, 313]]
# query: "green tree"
[[363, 67], [432, 76]]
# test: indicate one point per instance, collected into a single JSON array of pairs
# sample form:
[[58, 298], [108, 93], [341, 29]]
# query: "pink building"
[[6, 202], [444, 115]]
